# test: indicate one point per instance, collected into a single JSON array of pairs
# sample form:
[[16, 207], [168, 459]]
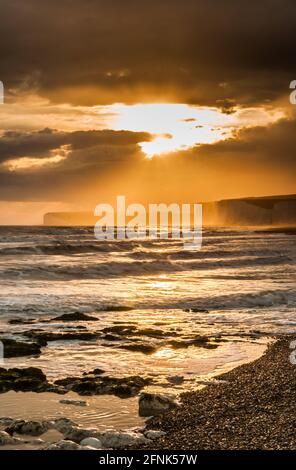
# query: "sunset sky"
[[158, 100]]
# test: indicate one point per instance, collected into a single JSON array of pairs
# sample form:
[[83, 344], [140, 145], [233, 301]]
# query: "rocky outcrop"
[[131, 330], [6, 439], [152, 404], [29, 379], [77, 434], [107, 439], [46, 336], [197, 341], [30, 428], [21, 321], [6, 421], [175, 379], [123, 387], [96, 371], [34, 380], [13, 348], [144, 348], [75, 316], [62, 424], [74, 436]]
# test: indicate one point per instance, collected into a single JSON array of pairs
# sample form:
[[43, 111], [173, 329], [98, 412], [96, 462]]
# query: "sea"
[[238, 291]]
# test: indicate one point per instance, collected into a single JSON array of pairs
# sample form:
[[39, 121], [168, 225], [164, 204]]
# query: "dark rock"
[[75, 316], [131, 330], [5, 421], [124, 330], [96, 371], [6, 439], [77, 434], [13, 348], [42, 336], [29, 379], [67, 381], [54, 389], [176, 379], [117, 308], [30, 428], [198, 341], [30, 371], [94, 385], [86, 387], [154, 333], [196, 310], [66, 401], [63, 445], [139, 347], [62, 424], [19, 321], [110, 337], [153, 404]]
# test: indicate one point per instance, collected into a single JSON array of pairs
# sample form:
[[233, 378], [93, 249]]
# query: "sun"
[[175, 127]]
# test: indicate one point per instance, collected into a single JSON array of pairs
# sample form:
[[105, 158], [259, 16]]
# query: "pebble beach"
[[253, 408]]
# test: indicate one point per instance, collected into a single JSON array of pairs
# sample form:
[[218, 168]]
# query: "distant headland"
[[251, 211]]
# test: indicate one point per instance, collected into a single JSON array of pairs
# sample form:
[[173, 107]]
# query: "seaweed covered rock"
[[14, 348], [122, 387], [27, 379], [42, 336]]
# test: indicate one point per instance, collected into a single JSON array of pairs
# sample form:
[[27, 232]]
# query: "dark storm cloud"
[[256, 161], [130, 50], [193, 51], [92, 155], [272, 147], [40, 143]]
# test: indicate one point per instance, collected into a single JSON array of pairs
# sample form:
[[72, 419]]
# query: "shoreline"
[[253, 409], [102, 411]]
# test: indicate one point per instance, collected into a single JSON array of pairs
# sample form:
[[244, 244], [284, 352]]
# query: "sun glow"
[[174, 126], [177, 127]]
